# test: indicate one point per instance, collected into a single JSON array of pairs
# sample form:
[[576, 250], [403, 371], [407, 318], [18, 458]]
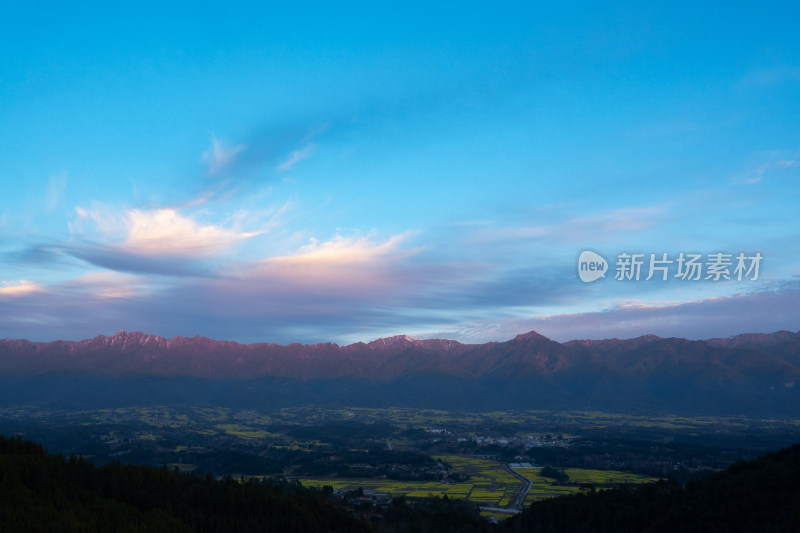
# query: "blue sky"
[[307, 172]]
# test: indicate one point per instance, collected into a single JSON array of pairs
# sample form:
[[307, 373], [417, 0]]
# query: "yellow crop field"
[[582, 475], [422, 494], [543, 488], [489, 483], [244, 432]]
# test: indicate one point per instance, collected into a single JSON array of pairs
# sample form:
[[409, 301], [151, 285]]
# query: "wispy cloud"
[[303, 153], [295, 157], [766, 310], [345, 250], [12, 289], [359, 264], [220, 157], [262, 308], [163, 232], [162, 241], [55, 190], [770, 167], [106, 285], [592, 227]]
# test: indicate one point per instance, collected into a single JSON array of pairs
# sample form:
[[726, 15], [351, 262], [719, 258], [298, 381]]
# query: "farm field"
[[543, 487], [605, 477], [489, 484], [362, 445], [267, 426]]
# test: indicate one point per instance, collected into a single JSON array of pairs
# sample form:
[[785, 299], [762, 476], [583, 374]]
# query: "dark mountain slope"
[[41, 492], [743, 374], [761, 495]]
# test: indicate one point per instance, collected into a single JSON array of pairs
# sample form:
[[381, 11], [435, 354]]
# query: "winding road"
[[515, 506], [519, 497]]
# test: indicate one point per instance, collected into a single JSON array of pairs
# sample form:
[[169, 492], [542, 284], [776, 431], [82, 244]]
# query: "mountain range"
[[750, 373]]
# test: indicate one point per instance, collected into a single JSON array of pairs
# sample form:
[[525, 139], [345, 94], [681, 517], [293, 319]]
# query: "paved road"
[[519, 497], [502, 510]]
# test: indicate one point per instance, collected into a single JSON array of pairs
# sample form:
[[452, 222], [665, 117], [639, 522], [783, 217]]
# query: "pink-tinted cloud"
[[277, 306], [15, 289], [159, 240], [763, 311], [357, 264], [165, 232], [592, 227], [106, 286]]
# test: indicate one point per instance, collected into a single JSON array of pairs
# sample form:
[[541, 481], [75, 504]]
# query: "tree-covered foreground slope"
[[42, 492], [760, 495]]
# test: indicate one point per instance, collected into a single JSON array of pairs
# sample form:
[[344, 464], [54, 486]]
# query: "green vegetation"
[[556, 475], [582, 476], [489, 483], [544, 487], [41, 492], [438, 462], [760, 495], [245, 432], [411, 489], [45, 493], [411, 452]]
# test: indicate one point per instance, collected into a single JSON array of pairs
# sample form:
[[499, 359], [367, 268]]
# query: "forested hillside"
[[760, 495], [42, 492]]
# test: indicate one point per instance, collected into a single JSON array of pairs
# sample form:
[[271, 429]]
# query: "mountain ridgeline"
[[745, 374]]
